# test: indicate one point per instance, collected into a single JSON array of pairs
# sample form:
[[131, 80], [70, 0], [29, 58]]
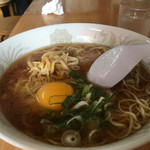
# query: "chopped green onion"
[[48, 112], [67, 101], [74, 75], [92, 97], [85, 90]]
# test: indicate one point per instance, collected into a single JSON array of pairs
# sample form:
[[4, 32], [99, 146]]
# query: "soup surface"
[[47, 96]]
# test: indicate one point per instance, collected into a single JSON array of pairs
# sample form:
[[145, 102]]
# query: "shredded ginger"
[[53, 63]]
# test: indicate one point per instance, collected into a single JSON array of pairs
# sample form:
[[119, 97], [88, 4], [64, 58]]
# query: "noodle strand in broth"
[[97, 116]]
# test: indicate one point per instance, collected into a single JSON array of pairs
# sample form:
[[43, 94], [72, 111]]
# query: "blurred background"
[[19, 6]]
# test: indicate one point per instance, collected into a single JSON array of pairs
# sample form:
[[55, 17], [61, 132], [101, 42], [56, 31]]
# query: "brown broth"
[[27, 117]]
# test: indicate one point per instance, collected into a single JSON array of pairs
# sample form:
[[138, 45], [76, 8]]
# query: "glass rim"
[[132, 7]]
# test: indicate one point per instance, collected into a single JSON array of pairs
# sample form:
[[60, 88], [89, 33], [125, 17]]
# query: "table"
[[101, 11], [75, 11]]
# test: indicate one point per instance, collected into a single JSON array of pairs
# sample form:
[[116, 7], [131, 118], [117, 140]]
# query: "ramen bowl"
[[23, 43]]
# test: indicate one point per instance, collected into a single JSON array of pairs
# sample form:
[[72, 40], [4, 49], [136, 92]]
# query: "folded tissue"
[[54, 6]]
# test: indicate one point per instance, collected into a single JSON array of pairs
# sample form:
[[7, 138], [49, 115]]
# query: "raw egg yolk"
[[52, 94]]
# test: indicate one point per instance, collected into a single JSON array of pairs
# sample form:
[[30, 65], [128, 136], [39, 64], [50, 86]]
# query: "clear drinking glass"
[[135, 15]]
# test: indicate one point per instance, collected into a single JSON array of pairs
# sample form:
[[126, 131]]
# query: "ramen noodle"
[[46, 95]]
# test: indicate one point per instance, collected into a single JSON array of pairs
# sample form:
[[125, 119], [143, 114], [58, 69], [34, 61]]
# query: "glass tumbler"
[[135, 15]]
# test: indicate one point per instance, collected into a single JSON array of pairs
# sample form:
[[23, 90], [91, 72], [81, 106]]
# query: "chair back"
[[4, 1]]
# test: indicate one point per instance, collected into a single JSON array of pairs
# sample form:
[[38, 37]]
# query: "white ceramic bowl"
[[16, 46]]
